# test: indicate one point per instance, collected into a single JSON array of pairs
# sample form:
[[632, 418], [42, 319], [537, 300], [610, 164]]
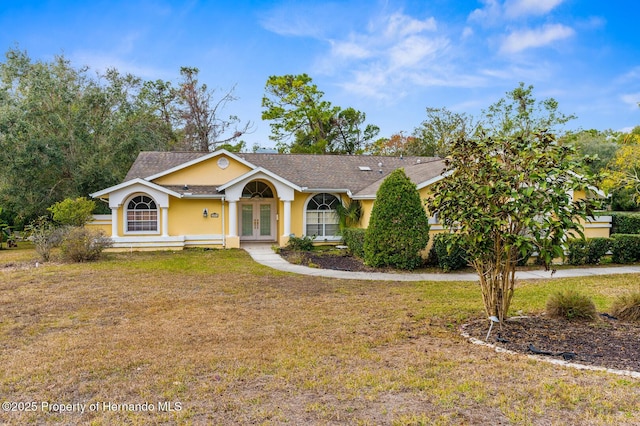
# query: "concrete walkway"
[[264, 254]]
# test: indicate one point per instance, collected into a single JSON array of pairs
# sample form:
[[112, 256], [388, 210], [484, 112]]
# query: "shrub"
[[81, 245], [597, 248], [625, 223], [304, 243], [627, 307], [576, 251], [625, 248], [448, 253], [354, 239], [399, 227], [571, 305], [587, 252], [45, 237], [73, 212]]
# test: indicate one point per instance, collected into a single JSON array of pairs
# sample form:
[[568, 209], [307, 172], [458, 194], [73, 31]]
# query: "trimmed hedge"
[[625, 223], [447, 253], [587, 252], [354, 239], [625, 248]]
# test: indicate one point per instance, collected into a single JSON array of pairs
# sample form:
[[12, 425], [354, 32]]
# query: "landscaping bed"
[[606, 342]]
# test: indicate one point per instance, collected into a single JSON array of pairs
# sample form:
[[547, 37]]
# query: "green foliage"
[[570, 305], [625, 223], [587, 252], [354, 239], [506, 193], [436, 134], [399, 227], [623, 200], [302, 122], [73, 212], [625, 248], [349, 215], [66, 133], [627, 306], [447, 253], [304, 243], [82, 245]]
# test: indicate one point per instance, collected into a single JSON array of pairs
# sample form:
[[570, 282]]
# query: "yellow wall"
[[205, 173], [185, 217], [297, 213]]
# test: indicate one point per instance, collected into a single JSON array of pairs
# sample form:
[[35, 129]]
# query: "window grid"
[[142, 215]]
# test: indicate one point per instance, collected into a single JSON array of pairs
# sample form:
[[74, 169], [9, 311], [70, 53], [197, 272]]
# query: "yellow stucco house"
[[172, 200]]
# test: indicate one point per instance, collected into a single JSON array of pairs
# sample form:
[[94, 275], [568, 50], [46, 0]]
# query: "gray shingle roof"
[[330, 172]]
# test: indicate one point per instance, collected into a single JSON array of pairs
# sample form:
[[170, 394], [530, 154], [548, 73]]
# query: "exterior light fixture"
[[493, 320], [205, 213]]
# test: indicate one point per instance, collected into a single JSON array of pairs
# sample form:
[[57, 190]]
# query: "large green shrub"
[[73, 212], [448, 253], [625, 223], [625, 248], [354, 239], [399, 227]]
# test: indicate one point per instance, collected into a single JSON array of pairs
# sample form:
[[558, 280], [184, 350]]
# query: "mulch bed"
[[606, 342]]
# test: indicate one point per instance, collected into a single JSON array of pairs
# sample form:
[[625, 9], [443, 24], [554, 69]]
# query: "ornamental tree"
[[507, 194], [399, 227]]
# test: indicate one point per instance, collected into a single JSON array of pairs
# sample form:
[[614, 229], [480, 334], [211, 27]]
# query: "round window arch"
[[322, 217], [257, 189], [142, 214]]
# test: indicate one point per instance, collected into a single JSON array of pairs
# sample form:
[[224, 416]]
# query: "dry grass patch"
[[234, 342]]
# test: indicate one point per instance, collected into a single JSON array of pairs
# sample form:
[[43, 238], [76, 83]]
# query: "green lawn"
[[210, 337]]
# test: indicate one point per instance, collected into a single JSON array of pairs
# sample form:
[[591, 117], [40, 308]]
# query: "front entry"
[[257, 220]]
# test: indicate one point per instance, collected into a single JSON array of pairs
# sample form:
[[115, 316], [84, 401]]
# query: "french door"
[[257, 220]]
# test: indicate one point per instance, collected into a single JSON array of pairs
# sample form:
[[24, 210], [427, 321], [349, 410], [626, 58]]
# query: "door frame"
[[255, 203]]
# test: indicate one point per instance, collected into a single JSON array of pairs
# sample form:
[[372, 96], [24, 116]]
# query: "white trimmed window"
[[142, 214], [321, 216]]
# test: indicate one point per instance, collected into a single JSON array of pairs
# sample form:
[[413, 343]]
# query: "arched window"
[[142, 214], [321, 216], [257, 189]]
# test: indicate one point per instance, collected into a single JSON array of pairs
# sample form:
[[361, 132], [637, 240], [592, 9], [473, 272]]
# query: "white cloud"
[[401, 25], [631, 99], [518, 41], [518, 8]]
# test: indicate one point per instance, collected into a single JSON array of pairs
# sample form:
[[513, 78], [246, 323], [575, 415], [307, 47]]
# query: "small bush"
[[625, 223], [587, 252], [571, 305], [45, 237], [70, 212], [625, 248], [597, 248], [354, 239], [304, 243], [627, 307], [81, 245], [448, 253]]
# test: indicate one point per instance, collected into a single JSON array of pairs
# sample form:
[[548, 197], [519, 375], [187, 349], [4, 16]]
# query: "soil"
[[607, 342]]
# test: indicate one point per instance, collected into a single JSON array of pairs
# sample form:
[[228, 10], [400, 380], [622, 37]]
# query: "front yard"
[[210, 337]]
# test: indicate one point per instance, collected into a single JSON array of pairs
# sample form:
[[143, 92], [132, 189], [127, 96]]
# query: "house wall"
[[205, 173], [186, 217]]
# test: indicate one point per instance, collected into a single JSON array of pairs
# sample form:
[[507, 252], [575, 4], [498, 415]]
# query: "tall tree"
[[436, 134], [625, 166], [66, 134], [508, 193], [204, 127], [301, 121]]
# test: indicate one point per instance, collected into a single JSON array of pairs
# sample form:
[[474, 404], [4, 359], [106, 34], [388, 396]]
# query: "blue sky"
[[390, 59]]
